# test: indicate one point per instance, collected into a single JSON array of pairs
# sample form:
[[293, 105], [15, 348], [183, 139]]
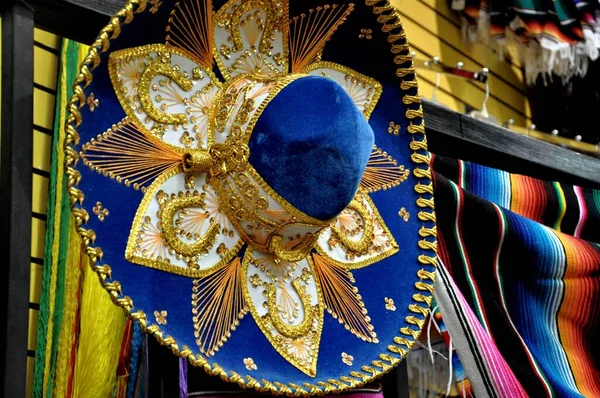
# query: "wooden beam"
[[79, 20], [16, 156], [455, 135]]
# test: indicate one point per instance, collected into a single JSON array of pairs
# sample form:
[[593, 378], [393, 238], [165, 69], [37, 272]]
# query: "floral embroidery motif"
[[255, 280], [347, 359], [100, 211], [366, 34], [161, 317], [394, 128], [249, 363], [389, 304], [155, 5], [404, 214], [92, 102]]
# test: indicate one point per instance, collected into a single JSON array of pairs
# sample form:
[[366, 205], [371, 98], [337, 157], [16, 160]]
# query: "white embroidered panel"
[[228, 114], [363, 90], [295, 287], [276, 218], [351, 225], [149, 243], [189, 99], [251, 37]]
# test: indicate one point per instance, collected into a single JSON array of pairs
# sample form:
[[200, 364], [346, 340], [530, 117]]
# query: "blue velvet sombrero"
[[251, 181]]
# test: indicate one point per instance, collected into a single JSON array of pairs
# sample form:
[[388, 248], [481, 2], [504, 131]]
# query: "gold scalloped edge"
[[389, 18]]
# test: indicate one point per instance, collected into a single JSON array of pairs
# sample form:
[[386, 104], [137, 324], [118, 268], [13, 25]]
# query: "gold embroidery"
[[129, 156], [253, 26], [186, 139], [152, 250], [382, 172], [389, 304], [100, 211], [296, 341], [151, 71], [342, 299], [249, 363], [363, 90], [155, 5], [151, 242], [275, 269], [405, 215], [258, 23], [309, 312], [366, 34], [196, 161], [310, 32], [92, 102], [199, 110], [168, 208], [132, 71], [190, 181], [355, 247], [190, 29], [300, 251], [218, 304], [394, 128], [382, 244], [347, 359], [161, 317]]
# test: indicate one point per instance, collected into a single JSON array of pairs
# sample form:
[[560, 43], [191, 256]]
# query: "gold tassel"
[[102, 325]]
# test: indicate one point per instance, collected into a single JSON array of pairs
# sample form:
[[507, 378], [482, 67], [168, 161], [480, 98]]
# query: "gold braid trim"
[[389, 18]]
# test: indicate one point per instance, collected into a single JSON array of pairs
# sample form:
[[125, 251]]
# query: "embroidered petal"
[[165, 93], [190, 30], [342, 299], [218, 304], [286, 303], [179, 227], [382, 172], [252, 37], [128, 156], [310, 32], [359, 243], [363, 90]]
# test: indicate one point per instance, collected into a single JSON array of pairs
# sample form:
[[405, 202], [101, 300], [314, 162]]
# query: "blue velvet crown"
[[239, 161]]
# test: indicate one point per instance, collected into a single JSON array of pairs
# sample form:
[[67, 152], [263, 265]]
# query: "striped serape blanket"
[[518, 284]]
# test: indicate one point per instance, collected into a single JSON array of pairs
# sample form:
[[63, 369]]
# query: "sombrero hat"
[[251, 181]]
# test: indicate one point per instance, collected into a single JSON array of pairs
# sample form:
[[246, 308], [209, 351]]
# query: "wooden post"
[[16, 157]]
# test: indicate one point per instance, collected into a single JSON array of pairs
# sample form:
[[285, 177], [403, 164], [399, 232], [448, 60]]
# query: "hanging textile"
[[61, 272], [81, 350], [518, 285], [557, 37]]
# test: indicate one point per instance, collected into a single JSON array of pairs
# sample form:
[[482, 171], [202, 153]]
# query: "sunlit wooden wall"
[[433, 30]]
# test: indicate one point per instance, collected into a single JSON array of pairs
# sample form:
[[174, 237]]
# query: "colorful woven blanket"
[[557, 37], [519, 281]]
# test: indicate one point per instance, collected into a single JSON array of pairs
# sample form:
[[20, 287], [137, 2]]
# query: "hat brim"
[[396, 290]]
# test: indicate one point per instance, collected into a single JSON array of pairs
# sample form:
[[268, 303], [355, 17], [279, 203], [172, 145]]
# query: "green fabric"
[[71, 48]]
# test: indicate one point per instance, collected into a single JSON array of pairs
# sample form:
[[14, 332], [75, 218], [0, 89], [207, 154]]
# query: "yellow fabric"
[[102, 326]]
